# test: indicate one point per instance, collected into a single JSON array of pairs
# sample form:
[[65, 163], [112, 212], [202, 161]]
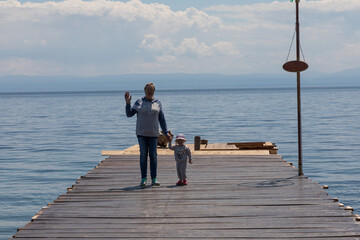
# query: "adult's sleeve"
[[162, 121], [130, 111]]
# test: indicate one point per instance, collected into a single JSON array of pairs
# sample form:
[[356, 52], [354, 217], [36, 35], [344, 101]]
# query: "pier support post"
[[197, 140]]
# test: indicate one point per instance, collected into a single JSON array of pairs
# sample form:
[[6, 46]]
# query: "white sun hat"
[[180, 137]]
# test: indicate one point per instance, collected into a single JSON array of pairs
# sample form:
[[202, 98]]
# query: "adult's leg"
[[153, 156], [144, 146]]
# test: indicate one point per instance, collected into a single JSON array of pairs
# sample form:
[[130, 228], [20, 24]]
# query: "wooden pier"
[[245, 194]]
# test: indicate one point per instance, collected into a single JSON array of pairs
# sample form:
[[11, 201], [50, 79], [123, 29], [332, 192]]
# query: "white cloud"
[[153, 43], [189, 47], [192, 46], [225, 48], [75, 33], [353, 48], [26, 66], [276, 6], [328, 29], [166, 59], [112, 37], [13, 10], [332, 5]]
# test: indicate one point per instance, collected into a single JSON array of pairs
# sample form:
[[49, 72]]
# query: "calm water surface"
[[48, 140]]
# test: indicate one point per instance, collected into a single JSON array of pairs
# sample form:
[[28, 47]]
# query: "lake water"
[[48, 140]]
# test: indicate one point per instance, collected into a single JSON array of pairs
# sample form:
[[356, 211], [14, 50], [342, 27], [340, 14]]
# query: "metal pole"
[[298, 90], [299, 126]]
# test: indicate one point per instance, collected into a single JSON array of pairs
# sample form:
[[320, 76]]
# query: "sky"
[[101, 37]]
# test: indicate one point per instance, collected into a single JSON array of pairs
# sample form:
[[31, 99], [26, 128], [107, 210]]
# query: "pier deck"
[[228, 196]]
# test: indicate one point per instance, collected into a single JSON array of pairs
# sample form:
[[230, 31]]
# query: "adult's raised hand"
[[127, 97]]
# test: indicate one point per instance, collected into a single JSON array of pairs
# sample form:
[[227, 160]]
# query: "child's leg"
[[178, 169], [183, 170]]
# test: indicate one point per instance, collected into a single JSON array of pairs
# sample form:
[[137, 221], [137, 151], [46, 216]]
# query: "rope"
[[292, 41], [291, 45], [302, 53]]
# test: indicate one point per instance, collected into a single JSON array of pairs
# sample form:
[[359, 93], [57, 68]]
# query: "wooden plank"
[[255, 144], [228, 196], [172, 233], [217, 149], [190, 223], [259, 144]]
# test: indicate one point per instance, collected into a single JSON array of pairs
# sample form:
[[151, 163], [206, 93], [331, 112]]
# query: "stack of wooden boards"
[[241, 146]]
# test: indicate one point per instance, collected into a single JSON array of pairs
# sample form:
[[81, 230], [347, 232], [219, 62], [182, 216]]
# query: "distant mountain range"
[[177, 81]]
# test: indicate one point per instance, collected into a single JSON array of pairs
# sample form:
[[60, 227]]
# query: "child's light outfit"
[[181, 154]]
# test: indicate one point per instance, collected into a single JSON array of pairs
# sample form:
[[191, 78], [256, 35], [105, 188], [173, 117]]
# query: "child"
[[181, 152]]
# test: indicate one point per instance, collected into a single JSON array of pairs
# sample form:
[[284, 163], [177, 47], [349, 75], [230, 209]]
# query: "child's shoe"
[[184, 182], [179, 183]]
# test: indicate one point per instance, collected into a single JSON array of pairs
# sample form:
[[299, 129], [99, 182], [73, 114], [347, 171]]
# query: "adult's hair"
[[150, 84]]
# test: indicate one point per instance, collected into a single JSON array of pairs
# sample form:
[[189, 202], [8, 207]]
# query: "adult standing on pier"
[[149, 116]]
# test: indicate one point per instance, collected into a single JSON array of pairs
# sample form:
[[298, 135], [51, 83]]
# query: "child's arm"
[[189, 155], [170, 146]]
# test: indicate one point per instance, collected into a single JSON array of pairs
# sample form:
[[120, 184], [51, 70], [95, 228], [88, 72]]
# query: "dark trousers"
[[148, 146]]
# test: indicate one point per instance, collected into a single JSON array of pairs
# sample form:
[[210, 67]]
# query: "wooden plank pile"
[[256, 146], [271, 147]]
